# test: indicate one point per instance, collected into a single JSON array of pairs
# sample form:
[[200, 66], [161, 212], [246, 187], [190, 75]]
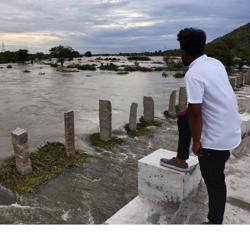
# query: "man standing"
[[213, 116]]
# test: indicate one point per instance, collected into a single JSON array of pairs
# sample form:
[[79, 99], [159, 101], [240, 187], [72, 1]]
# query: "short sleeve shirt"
[[207, 83]]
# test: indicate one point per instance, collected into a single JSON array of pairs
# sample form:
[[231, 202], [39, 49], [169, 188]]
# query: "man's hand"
[[197, 148]]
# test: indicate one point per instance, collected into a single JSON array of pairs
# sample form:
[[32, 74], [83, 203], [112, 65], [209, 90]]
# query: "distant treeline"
[[21, 55]]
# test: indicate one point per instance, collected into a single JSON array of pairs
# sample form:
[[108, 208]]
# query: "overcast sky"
[[114, 25]]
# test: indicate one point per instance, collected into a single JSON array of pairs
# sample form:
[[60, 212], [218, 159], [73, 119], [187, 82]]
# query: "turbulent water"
[[92, 192]]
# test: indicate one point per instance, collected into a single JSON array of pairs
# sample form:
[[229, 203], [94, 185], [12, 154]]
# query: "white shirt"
[[207, 83]]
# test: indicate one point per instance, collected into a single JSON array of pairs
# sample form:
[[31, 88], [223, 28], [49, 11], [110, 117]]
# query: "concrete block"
[[142, 211], [160, 184]]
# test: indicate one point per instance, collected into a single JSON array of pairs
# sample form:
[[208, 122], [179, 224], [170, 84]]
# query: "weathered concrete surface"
[[105, 118], [160, 191], [161, 184], [21, 151], [143, 211], [133, 117], [172, 103], [69, 127], [148, 108], [182, 99]]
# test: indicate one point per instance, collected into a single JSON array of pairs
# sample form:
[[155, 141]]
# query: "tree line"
[[60, 52]]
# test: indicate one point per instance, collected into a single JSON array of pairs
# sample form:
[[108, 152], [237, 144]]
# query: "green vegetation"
[[139, 58], [122, 72], [141, 128], [155, 123], [21, 56], [48, 161], [109, 66], [169, 116], [179, 75], [137, 68], [88, 54], [233, 48], [91, 67], [96, 141], [62, 53], [173, 63]]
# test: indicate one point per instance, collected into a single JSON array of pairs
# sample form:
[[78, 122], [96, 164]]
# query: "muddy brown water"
[[92, 192]]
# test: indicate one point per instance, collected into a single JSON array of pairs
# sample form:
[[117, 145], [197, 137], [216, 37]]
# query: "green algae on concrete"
[[172, 116], [96, 141], [48, 161], [169, 116], [155, 123], [141, 128]]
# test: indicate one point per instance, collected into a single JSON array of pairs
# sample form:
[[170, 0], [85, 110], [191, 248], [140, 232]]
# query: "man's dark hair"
[[192, 41]]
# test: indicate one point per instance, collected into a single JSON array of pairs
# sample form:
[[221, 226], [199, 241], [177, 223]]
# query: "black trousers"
[[212, 165]]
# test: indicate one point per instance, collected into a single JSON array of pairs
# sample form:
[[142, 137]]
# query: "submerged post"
[[233, 82], [105, 118], [21, 150], [247, 75], [242, 79], [69, 133], [133, 117], [172, 104], [148, 108], [182, 99]]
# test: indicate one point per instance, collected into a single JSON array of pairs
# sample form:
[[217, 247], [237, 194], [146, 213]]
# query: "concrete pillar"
[[148, 108], [247, 74], [182, 99], [21, 151], [162, 184], [172, 104], [105, 118], [233, 81], [238, 84], [242, 81], [133, 117], [69, 133]]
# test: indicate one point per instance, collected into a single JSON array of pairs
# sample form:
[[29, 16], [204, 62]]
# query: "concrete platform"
[[161, 191], [142, 211], [160, 184]]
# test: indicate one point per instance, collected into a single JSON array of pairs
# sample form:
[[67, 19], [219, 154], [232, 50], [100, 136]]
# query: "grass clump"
[[155, 123], [48, 161], [141, 128], [137, 68], [169, 116], [179, 75], [139, 58], [109, 66], [90, 67], [96, 141]]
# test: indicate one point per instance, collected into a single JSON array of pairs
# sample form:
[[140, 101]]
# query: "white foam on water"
[[16, 205], [245, 116], [66, 215], [91, 218]]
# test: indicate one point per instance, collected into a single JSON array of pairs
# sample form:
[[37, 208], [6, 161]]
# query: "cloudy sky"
[[114, 25]]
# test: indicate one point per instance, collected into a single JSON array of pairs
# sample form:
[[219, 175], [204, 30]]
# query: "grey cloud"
[[104, 26]]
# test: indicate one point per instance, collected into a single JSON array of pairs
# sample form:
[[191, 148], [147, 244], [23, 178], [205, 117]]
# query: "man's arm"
[[195, 123]]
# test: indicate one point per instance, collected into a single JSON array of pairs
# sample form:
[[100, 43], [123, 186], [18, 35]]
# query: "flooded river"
[[92, 192]]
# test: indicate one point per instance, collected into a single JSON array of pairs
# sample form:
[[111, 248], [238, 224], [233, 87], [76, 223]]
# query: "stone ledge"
[[160, 184]]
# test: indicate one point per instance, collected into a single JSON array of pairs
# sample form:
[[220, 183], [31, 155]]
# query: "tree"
[[88, 54], [62, 53], [22, 55]]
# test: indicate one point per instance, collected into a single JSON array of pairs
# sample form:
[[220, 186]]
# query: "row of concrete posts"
[[20, 136]]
